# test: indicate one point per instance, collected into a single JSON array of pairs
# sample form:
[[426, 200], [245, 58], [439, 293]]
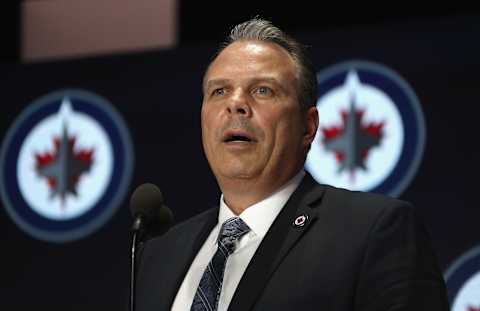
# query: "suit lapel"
[[281, 237], [187, 247]]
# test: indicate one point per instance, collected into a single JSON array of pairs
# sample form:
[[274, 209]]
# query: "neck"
[[239, 194]]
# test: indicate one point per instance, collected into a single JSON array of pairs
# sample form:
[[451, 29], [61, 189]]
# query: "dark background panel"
[[159, 95]]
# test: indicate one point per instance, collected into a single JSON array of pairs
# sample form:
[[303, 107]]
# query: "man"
[[279, 240]]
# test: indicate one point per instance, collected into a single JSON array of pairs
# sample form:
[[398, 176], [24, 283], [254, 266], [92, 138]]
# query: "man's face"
[[252, 124]]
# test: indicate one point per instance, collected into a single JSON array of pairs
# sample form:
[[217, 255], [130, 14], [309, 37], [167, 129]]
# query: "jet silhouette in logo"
[[63, 166], [352, 140]]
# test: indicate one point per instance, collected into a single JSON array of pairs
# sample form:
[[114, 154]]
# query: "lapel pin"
[[300, 220]]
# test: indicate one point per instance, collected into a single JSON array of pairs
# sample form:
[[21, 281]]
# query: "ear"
[[311, 125]]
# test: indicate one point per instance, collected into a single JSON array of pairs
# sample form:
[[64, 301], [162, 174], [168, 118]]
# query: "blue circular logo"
[[463, 282], [371, 132], [65, 165]]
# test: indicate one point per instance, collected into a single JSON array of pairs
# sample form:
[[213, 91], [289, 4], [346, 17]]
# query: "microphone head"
[[147, 202]]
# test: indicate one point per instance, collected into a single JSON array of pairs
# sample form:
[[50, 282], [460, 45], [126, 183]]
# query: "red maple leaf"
[[47, 158], [373, 129]]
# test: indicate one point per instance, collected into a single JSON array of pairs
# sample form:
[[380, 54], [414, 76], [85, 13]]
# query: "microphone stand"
[[136, 228], [142, 231]]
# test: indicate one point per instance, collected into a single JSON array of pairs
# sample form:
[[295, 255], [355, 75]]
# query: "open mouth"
[[236, 136]]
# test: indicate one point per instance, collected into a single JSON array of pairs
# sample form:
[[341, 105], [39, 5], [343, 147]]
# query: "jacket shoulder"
[[368, 199], [362, 208]]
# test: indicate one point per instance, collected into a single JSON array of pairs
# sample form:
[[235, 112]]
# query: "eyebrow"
[[221, 81], [214, 82], [270, 80], [266, 79]]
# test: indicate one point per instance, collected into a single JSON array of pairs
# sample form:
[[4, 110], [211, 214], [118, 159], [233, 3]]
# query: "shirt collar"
[[260, 216]]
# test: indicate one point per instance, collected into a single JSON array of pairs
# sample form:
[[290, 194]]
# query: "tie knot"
[[232, 230]]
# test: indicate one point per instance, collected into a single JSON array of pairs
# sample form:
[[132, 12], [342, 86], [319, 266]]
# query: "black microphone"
[[150, 218]]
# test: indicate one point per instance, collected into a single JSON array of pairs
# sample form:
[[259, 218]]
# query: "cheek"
[[205, 117], [288, 130], [203, 114], [208, 118], [204, 122]]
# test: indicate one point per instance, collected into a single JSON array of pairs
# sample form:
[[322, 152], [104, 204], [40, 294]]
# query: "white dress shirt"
[[259, 217]]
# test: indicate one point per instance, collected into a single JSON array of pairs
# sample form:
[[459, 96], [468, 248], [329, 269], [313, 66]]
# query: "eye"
[[218, 92], [264, 90]]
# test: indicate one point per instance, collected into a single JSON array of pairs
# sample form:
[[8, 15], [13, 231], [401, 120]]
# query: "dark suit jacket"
[[357, 251]]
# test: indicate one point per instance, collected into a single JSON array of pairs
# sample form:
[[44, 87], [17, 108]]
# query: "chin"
[[237, 173]]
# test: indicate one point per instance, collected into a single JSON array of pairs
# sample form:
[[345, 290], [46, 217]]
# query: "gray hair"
[[258, 29]]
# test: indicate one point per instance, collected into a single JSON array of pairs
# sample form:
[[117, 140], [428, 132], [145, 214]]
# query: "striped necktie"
[[208, 291]]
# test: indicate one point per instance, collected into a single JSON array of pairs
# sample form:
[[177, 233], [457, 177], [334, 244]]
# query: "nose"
[[239, 103]]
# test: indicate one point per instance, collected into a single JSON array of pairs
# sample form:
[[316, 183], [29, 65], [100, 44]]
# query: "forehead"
[[243, 59]]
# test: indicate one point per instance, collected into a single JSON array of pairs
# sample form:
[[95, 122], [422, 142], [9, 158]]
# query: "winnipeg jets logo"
[[352, 140], [463, 282], [66, 164], [363, 142], [63, 166]]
